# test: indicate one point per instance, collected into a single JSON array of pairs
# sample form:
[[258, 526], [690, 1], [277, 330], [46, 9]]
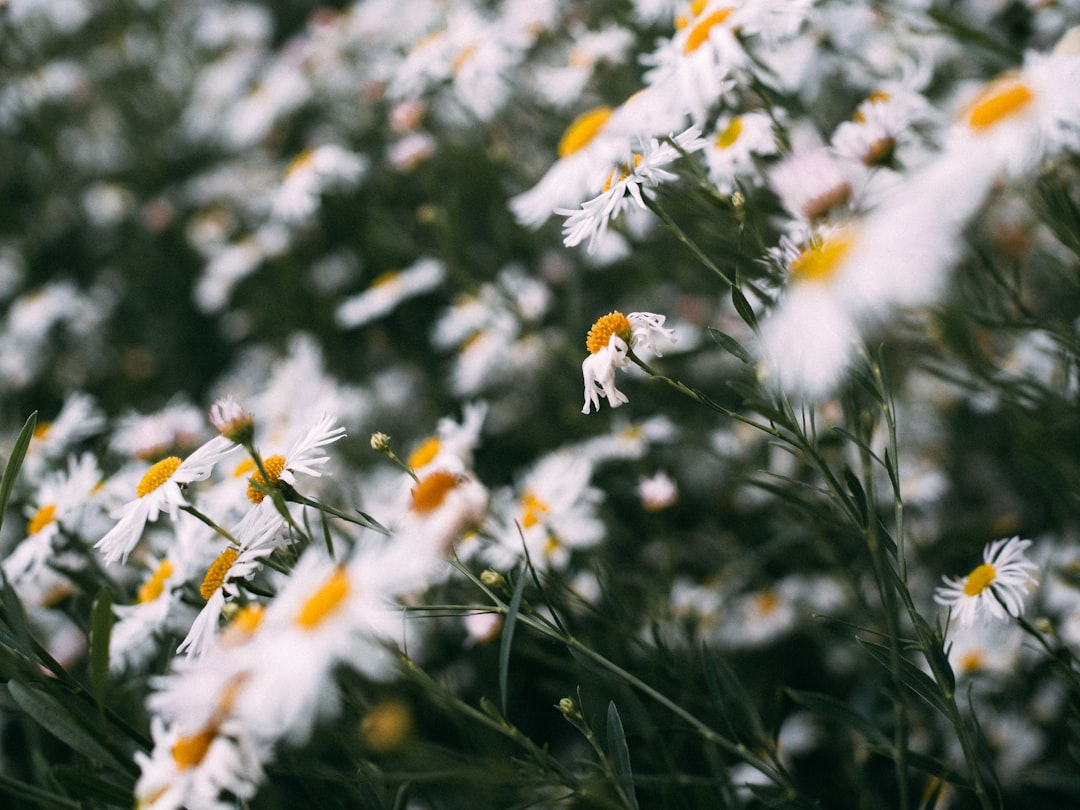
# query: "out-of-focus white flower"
[[313, 172], [657, 492], [389, 290]]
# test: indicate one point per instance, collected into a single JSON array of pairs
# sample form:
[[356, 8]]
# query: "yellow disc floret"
[[700, 32], [731, 133], [274, 466], [979, 579], [325, 601], [42, 518], [424, 453], [215, 575], [189, 751], [153, 587], [614, 323], [583, 129], [1000, 99], [431, 490], [157, 475], [821, 260]]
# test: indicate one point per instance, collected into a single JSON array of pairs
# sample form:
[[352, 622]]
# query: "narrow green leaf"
[[858, 494], [742, 306], [50, 714], [731, 345], [87, 784], [620, 756], [15, 617], [732, 699], [507, 638], [830, 708], [910, 675], [101, 622], [39, 797], [15, 460]]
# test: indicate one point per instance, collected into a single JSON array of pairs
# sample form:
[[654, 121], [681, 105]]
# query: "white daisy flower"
[[994, 589], [160, 490], [609, 342], [387, 291]]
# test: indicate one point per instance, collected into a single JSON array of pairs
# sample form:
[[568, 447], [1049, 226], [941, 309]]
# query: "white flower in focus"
[[609, 343], [994, 589], [642, 170], [160, 490]]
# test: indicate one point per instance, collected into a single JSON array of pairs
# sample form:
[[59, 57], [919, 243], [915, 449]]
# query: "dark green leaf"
[[732, 699], [507, 638], [858, 494], [101, 622], [87, 784], [742, 306], [39, 797], [620, 756], [48, 712], [830, 708], [15, 460], [910, 675], [731, 345]]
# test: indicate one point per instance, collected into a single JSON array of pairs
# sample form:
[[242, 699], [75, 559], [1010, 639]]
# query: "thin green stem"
[[191, 510]]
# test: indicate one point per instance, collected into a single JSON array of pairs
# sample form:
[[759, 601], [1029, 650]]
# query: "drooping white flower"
[[994, 589], [609, 342]]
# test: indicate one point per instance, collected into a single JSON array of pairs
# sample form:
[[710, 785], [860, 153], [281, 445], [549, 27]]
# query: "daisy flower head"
[[994, 589], [624, 184], [232, 421], [161, 489], [609, 342]]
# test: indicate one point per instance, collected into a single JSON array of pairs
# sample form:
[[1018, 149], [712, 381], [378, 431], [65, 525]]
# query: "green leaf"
[[858, 494], [910, 675], [15, 460], [732, 699], [87, 784], [731, 345], [742, 306], [620, 756], [48, 712], [832, 709], [39, 797], [101, 622], [507, 638]]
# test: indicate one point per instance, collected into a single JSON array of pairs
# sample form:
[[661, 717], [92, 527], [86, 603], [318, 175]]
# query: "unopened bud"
[[569, 709], [494, 580], [380, 442], [232, 421]]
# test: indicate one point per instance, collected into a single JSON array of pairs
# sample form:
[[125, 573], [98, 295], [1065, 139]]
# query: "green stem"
[[360, 518], [191, 510]]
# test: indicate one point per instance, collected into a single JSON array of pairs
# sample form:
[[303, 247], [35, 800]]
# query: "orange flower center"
[[190, 751], [325, 601], [730, 134], [424, 453], [274, 466], [998, 101], [215, 575], [157, 475], [700, 32], [979, 579], [614, 323], [820, 261], [582, 130], [153, 587], [42, 518], [432, 489], [532, 510]]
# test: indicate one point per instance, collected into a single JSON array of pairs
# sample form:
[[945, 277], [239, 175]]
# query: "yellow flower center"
[[189, 751], [583, 129], [215, 575], [553, 544], [274, 466], [463, 57], [971, 661], [730, 134], [153, 587], [627, 168], [532, 510], [700, 32], [157, 475], [874, 98], [820, 261], [248, 619], [325, 600], [696, 7], [41, 429], [384, 279], [300, 161], [766, 603], [387, 726], [42, 518], [979, 579], [614, 323], [424, 453], [244, 467], [431, 490], [998, 101]]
